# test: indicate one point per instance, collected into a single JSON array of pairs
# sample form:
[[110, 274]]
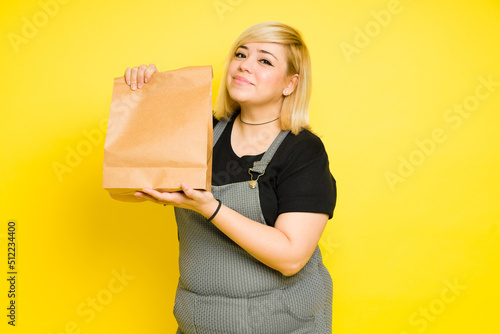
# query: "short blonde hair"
[[295, 107]]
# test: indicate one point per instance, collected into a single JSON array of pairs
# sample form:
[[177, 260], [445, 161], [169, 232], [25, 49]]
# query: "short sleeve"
[[305, 183]]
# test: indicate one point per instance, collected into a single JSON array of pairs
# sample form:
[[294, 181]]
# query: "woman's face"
[[257, 74]]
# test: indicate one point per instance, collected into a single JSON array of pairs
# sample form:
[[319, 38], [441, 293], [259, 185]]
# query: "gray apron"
[[223, 289]]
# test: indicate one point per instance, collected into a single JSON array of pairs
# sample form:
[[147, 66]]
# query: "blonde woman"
[[249, 257]]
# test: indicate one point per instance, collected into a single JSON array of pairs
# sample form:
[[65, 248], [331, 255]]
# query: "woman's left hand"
[[200, 201]]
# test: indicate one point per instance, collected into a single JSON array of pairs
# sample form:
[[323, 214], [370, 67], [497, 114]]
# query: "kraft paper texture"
[[160, 135]]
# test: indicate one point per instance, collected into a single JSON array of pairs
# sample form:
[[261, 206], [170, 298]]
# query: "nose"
[[246, 65]]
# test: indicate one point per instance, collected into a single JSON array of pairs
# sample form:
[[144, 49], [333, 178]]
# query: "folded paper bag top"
[[160, 135]]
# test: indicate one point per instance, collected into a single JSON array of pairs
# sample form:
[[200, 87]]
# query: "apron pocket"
[[306, 297], [210, 314], [220, 315], [271, 313]]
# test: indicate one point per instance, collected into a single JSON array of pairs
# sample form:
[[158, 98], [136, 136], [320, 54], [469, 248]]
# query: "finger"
[[133, 78], [172, 198], [149, 72], [188, 191], [142, 195], [153, 194], [128, 72], [140, 75]]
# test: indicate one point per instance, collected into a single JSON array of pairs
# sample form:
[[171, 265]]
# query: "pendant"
[[253, 184]]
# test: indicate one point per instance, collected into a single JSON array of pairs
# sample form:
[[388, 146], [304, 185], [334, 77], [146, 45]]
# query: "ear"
[[293, 81]]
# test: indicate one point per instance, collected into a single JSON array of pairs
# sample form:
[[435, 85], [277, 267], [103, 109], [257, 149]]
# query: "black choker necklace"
[[258, 123]]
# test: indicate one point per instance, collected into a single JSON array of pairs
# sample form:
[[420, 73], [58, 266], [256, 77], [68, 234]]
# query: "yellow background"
[[401, 234]]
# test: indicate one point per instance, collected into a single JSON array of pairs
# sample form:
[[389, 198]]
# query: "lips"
[[242, 81]]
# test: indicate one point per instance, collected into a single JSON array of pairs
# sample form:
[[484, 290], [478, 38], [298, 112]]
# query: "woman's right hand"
[[135, 77]]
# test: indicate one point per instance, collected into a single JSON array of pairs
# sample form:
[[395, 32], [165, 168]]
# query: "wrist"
[[213, 210]]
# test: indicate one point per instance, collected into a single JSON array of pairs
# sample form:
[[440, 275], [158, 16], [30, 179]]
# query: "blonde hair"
[[295, 108]]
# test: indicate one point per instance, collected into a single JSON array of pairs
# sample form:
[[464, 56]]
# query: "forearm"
[[267, 244], [286, 247]]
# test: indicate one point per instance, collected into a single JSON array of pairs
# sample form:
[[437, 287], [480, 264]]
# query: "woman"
[[249, 257]]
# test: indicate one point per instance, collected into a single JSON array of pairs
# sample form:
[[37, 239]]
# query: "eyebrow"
[[259, 50]]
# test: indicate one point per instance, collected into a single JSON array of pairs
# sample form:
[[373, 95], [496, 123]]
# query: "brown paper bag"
[[160, 135]]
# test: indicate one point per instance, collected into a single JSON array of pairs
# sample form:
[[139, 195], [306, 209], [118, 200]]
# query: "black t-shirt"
[[297, 179]]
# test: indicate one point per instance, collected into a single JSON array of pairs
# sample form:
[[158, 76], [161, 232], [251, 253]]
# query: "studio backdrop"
[[406, 98]]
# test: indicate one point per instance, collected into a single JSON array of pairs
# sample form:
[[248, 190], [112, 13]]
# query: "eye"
[[239, 55], [266, 62]]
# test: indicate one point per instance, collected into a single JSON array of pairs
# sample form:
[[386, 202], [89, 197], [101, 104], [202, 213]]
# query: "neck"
[[259, 115], [254, 139], [253, 124], [262, 123]]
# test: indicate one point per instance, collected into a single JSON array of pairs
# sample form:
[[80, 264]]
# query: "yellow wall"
[[406, 97]]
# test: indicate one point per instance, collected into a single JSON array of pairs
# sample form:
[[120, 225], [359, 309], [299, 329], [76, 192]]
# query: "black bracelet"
[[216, 211]]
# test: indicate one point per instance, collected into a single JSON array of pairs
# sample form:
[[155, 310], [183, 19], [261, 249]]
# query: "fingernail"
[[139, 85], [133, 86], [146, 80]]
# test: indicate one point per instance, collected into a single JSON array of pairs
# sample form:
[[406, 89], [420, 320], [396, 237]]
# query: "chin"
[[239, 97]]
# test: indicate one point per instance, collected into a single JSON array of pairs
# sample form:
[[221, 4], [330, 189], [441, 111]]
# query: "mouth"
[[241, 81]]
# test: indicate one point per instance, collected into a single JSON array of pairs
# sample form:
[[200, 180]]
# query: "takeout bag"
[[161, 134]]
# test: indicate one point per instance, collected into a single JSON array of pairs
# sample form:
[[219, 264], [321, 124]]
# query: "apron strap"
[[260, 166], [218, 129]]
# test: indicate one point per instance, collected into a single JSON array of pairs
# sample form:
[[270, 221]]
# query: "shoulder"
[[305, 144], [304, 182], [303, 151]]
